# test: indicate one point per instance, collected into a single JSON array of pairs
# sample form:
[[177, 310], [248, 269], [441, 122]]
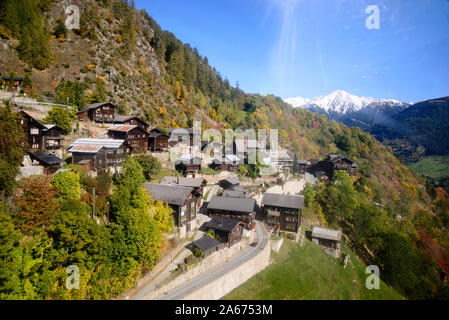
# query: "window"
[[34, 131]]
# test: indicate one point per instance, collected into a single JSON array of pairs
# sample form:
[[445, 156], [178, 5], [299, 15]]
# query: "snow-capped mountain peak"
[[339, 101]]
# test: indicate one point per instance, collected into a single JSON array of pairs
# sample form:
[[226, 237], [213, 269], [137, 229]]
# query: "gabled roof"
[[206, 243], [123, 127], [97, 105], [155, 132], [244, 205], [324, 233], [188, 159], [120, 118], [180, 131], [175, 195], [185, 182], [46, 157], [235, 193], [222, 224], [35, 120], [85, 148], [283, 200], [107, 143], [229, 181], [228, 159]]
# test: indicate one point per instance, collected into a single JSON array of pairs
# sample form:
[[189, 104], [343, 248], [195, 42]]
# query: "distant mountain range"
[[412, 130], [352, 110]]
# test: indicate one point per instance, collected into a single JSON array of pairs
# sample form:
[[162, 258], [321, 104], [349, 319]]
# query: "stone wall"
[[231, 280]]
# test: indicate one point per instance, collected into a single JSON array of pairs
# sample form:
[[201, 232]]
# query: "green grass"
[[434, 167], [307, 273]]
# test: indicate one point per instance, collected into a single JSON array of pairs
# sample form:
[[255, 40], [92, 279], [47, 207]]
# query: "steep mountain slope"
[[126, 58], [424, 124]]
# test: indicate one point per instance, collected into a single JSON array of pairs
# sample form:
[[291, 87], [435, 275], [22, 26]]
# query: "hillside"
[[307, 273], [127, 59]]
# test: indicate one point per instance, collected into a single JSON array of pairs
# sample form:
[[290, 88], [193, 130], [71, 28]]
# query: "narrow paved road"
[[190, 286]]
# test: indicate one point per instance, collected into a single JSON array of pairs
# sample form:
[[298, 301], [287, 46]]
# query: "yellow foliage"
[[118, 38], [90, 67], [62, 38], [100, 78]]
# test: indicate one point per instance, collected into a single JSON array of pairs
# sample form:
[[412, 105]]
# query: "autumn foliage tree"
[[37, 204]]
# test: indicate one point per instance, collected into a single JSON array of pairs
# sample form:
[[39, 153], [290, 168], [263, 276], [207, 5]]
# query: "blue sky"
[[310, 48]]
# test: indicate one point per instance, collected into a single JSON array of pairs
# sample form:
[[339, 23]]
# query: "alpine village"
[[108, 164]]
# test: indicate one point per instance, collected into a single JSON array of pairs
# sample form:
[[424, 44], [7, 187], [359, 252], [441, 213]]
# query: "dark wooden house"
[[99, 154], [283, 212], [245, 149], [329, 240], [158, 140], [136, 137], [228, 231], [34, 131], [49, 161], [303, 166], [334, 162], [229, 183], [131, 120], [98, 112], [235, 208], [197, 184], [16, 83], [188, 165], [180, 199], [207, 245], [181, 135], [227, 163], [52, 137]]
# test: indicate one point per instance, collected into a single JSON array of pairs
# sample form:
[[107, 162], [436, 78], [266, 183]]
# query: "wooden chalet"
[[158, 140], [131, 120], [181, 135], [284, 160], [136, 137], [16, 83], [229, 183], [303, 166], [228, 231], [246, 149], [227, 163], [180, 199], [47, 160], [188, 165], [99, 154], [52, 137], [98, 112], [334, 162], [235, 208], [283, 212], [329, 240], [207, 245], [197, 184], [34, 131]]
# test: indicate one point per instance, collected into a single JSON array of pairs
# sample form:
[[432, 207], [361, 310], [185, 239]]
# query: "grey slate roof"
[[283, 200], [222, 224], [97, 105], [206, 243], [181, 181], [234, 194], [175, 195], [46, 157], [228, 182], [243, 205], [324, 233]]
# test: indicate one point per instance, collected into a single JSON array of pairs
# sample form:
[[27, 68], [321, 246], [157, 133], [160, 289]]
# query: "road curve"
[[219, 270]]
